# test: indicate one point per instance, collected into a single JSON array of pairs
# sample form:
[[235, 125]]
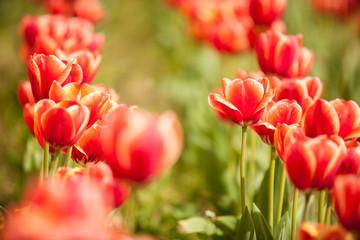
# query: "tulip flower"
[[284, 135], [284, 111], [43, 70], [96, 101], [349, 117], [50, 34], [51, 210], [340, 8], [265, 12], [243, 101], [318, 158], [60, 124], [283, 55], [321, 118], [28, 114], [308, 231], [25, 94], [304, 91], [351, 162], [88, 61], [116, 190], [346, 195], [139, 146], [88, 148]]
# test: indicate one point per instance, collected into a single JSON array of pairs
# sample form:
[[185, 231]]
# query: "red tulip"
[[114, 96], [25, 94], [321, 118], [349, 116], [284, 111], [351, 162], [138, 146], [256, 30], [89, 63], [219, 114], [346, 195], [50, 34], [89, 9], [116, 190], [51, 210], [43, 70], [284, 135], [283, 55], [88, 148], [267, 11], [95, 100], [60, 124], [308, 231], [304, 91], [28, 114], [243, 101], [318, 158]]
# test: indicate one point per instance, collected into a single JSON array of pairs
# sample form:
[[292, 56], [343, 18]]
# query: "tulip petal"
[[220, 104]]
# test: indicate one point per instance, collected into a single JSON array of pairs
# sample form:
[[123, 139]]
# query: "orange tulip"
[[139, 146], [346, 195], [60, 124], [243, 101], [43, 70], [95, 100], [318, 158], [284, 111], [267, 11]]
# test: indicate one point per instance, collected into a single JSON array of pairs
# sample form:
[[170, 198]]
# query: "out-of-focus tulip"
[[114, 96], [349, 116], [304, 91], [116, 190], [351, 162], [321, 118], [243, 101], [43, 70], [308, 231], [284, 111], [346, 195], [283, 55], [52, 34], [51, 210], [340, 8], [264, 12], [139, 146], [60, 124], [256, 30], [96, 101], [318, 158], [88, 148], [25, 94]]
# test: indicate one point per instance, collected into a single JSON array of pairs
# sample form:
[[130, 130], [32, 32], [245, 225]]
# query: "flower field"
[[180, 119]]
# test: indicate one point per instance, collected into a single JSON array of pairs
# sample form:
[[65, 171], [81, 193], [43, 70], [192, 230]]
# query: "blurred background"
[[151, 61]]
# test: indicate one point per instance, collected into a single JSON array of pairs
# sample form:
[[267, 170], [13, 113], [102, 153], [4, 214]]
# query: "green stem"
[[306, 208], [252, 163], [68, 156], [328, 208], [54, 162], [271, 188], [293, 217], [321, 206], [46, 159], [242, 168], [281, 194]]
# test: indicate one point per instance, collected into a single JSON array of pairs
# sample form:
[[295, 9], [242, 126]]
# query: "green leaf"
[[245, 229], [283, 228], [196, 225], [227, 224], [262, 229]]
